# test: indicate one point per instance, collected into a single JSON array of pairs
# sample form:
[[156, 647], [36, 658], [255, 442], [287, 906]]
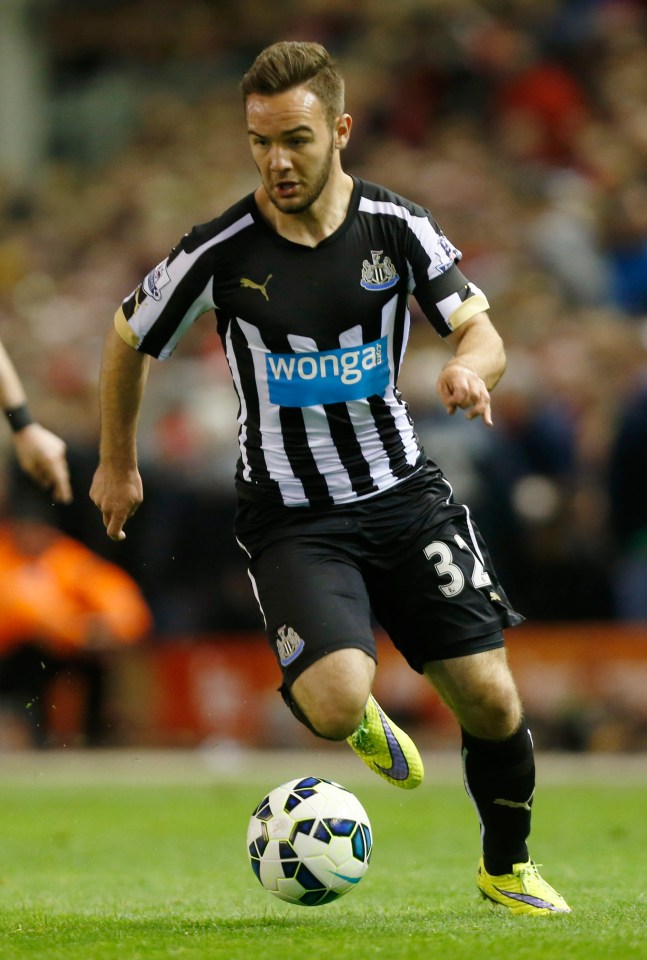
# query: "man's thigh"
[[314, 601]]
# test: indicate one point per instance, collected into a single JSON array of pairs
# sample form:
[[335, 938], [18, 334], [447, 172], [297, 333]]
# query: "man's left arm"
[[477, 366]]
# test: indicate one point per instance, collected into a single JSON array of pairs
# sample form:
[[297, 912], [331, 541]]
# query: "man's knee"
[[331, 720], [330, 696], [497, 718]]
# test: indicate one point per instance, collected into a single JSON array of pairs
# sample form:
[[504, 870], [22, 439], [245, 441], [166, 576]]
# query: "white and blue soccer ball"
[[309, 841]]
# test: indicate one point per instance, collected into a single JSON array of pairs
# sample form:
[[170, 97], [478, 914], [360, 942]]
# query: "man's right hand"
[[41, 454]]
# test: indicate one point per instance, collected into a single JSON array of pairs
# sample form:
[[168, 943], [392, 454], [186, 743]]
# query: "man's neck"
[[319, 221]]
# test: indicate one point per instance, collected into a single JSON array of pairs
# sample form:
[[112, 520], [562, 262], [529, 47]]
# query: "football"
[[309, 841]]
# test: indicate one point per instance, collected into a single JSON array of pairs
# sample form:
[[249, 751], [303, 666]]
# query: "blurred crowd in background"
[[521, 125]]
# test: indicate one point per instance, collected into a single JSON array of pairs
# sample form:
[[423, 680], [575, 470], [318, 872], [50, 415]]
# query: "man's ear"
[[343, 126]]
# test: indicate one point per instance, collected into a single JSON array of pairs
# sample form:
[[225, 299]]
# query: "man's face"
[[292, 145]]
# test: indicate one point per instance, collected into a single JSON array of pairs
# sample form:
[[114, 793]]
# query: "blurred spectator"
[[538, 106], [61, 609], [627, 487], [625, 239]]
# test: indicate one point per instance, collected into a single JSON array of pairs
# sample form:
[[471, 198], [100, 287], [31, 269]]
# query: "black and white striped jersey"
[[314, 338]]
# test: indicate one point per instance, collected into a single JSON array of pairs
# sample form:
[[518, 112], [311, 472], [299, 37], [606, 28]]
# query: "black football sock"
[[500, 779]]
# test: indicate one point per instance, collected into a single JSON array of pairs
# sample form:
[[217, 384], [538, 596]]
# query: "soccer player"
[[40, 453], [340, 512]]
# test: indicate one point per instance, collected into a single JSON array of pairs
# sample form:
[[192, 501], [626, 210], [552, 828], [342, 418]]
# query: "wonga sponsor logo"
[[329, 376]]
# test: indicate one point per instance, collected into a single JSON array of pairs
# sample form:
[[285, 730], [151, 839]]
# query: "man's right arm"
[[117, 487]]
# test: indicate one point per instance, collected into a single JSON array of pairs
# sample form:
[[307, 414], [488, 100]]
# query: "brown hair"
[[291, 63]]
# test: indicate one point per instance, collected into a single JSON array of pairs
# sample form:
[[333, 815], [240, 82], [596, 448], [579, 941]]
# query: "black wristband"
[[19, 417]]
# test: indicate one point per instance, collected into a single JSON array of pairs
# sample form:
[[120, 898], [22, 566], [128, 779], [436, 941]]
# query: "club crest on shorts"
[[288, 644], [380, 274]]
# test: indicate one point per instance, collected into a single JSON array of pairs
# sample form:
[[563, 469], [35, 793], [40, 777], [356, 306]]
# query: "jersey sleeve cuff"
[[124, 329]]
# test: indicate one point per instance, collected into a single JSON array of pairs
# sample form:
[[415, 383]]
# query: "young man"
[[40, 453], [340, 512]]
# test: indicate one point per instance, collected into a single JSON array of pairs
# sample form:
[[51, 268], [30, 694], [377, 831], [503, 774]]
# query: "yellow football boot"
[[523, 891], [386, 749]]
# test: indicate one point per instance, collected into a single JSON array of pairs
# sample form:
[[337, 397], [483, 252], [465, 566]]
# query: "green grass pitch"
[[140, 867]]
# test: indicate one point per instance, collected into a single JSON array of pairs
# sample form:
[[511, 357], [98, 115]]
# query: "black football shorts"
[[410, 559]]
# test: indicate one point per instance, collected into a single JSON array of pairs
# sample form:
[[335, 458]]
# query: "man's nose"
[[279, 158]]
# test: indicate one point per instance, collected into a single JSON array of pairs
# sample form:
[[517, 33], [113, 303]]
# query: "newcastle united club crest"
[[380, 274], [288, 644]]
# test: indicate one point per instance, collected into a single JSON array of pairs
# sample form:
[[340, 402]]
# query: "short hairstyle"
[[291, 63]]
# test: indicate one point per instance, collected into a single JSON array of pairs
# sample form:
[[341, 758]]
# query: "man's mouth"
[[286, 188]]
